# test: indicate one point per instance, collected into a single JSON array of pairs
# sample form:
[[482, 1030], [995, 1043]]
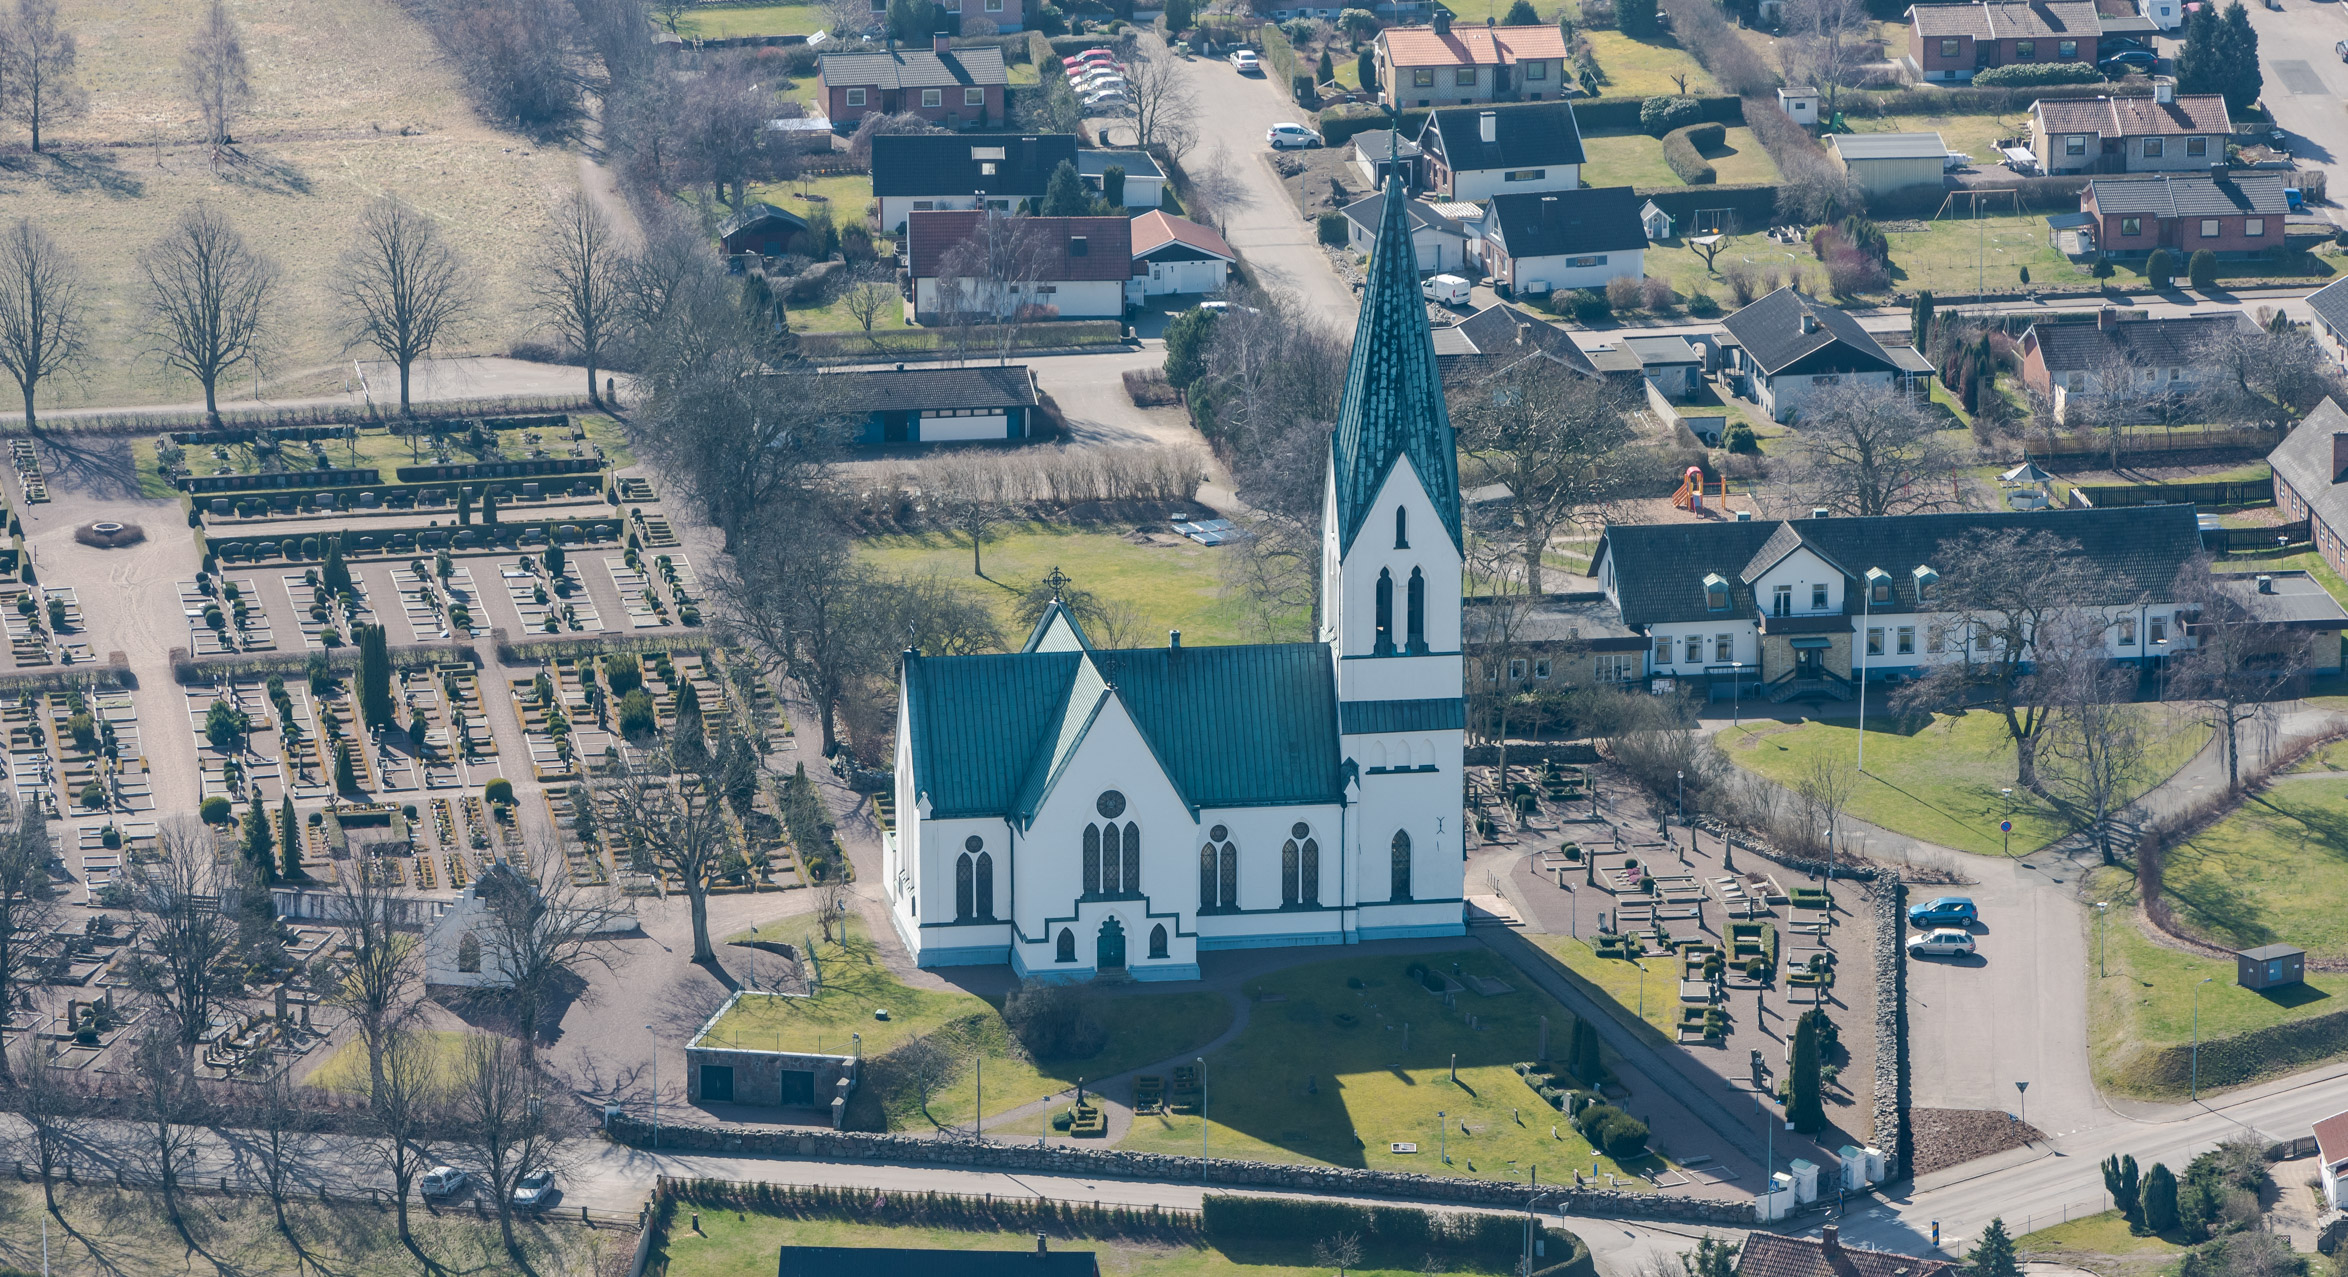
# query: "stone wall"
[[852, 1146]]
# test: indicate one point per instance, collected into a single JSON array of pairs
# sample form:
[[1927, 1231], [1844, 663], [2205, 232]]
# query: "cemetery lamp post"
[[2194, 1087], [1736, 698], [1683, 796], [1866, 613], [1443, 1137], [2102, 915]]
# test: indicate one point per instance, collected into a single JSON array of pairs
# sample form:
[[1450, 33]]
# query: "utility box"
[[2270, 966]]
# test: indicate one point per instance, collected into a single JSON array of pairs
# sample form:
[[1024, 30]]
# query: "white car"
[[1944, 943], [1105, 98], [1095, 80], [1247, 63], [1286, 136], [442, 1181], [535, 1190]]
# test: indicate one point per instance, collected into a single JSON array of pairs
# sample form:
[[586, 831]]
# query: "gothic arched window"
[[1092, 860], [963, 886], [1385, 640], [1308, 865], [1288, 871], [1401, 888], [469, 953], [1206, 876], [1401, 528], [1112, 858], [1067, 946], [1415, 613], [1158, 941], [984, 903], [1132, 858], [1230, 855]]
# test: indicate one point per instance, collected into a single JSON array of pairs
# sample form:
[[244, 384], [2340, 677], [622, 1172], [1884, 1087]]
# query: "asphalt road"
[[2305, 81]]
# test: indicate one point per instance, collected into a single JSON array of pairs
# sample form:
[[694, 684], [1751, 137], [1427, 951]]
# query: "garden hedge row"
[[1683, 150], [1233, 1221], [2244, 1057]]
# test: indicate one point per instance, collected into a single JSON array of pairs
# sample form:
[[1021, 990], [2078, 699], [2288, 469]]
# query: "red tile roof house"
[[2229, 216], [1777, 1255], [2071, 359], [954, 88], [1060, 267], [1436, 66], [1952, 41], [2331, 1145], [2163, 133]]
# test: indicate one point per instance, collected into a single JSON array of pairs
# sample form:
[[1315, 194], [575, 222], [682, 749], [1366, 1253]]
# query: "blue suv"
[[1947, 911]]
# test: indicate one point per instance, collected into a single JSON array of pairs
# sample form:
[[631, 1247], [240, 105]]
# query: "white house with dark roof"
[[1476, 152], [1439, 241], [932, 403], [1537, 244], [1070, 267], [1078, 812], [1145, 182], [1788, 346], [2329, 305], [2078, 358]]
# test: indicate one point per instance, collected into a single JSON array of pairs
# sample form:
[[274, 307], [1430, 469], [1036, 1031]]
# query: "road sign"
[[2005, 826]]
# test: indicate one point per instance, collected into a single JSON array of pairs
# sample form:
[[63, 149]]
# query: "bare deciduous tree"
[[49, 1108], [1165, 111], [374, 976], [1552, 435], [540, 929], [728, 144], [669, 807], [28, 908], [511, 1115], [2235, 669], [992, 278], [215, 75], [1341, 1251], [745, 439], [2275, 373], [1825, 43], [867, 300], [403, 1114], [1866, 451], [402, 286], [2098, 741], [44, 313], [169, 1108], [277, 1136], [188, 938], [40, 71], [209, 299], [1822, 794], [969, 501], [577, 283]]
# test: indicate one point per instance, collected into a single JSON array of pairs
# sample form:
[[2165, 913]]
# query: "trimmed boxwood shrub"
[[2202, 268], [1332, 229], [1683, 150], [215, 810], [2025, 74], [1660, 116]]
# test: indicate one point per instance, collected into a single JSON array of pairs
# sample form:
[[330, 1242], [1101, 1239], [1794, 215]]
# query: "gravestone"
[[220, 505], [370, 500]]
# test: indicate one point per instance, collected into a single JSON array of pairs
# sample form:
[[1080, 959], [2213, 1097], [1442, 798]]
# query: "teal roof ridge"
[[1393, 405], [1088, 692], [1040, 638]]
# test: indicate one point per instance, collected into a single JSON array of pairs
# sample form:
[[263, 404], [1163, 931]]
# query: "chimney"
[[1039, 1244], [1524, 334], [1830, 1239], [1488, 126], [940, 42], [2339, 458], [1173, 640], [1809, 323], [1442, 21], [2164, 90], [2266, 584], [1744, 516]]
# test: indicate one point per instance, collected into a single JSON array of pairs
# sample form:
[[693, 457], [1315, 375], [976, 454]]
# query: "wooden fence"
[[2111, 495]]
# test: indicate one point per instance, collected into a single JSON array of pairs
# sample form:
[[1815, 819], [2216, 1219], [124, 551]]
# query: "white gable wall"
[[1474, 186], [1353, 625]]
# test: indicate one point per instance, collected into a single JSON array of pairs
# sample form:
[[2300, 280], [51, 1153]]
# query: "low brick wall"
[[852, 1146]]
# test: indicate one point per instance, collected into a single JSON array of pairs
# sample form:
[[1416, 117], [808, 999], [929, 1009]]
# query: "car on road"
[[1285, 137], [1944, 911], [2342, 49], [1941, 944], [2132, 60], [443, 1181], [535, 1190], [1246, 62]]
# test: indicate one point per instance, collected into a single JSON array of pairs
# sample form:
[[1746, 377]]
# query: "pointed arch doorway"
[[1109, 951]]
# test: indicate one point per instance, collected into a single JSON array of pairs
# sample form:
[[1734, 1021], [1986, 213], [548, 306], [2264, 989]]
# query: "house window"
[[923, 206], [1724, 648], [1524, 175], [2253, 228], [1422, 77], [856, 97], [1932, 638], [1875, 641], [1715, 593], [2075, 145], [2197, 146], [1663, 649], [1536, 70], [2076, 383], [1907, 641], [1695, 650], [933, 97], [1599, 260], [1516, 671], [2025, 50], [1613, 667], [1465, 77], [1829, 379], [1541, 669], [468, 952], [2152, 148], [2131, 226], [974, 97], [1980, 638], [2209, 228], [2156, 630], [1948, 48], [2128, 632], [1818, 597], [2066, 49]]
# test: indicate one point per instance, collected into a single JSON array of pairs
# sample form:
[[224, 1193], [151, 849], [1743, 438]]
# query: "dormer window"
[[1079, 246], [1926, 579], [1878, 587], [1716, 592]]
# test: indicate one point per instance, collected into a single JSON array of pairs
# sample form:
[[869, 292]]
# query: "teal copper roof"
[[1393, 405]]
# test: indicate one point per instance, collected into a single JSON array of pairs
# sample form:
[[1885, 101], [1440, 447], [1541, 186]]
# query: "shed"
[[1655, 221], [760, 228], [2270, 966], [1799, 102], [1881, 163]]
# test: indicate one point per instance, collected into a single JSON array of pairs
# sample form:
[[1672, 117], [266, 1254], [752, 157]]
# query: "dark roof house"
[[1777, 1255], [1531, 135], [1784, 327], [2086, 345], [1495, 338], [1019, 165], [977, 67], [2255, 194], [2312, 462], [932, 387], [1600, 219]]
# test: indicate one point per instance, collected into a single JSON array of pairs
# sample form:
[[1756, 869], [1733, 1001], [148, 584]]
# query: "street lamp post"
[[2103, 911], [2006, 826], [1683, 796], [2194, 1087], [1866, 612], [1642, 987], [1532, 1220], [655, 1088], [1736, 686]]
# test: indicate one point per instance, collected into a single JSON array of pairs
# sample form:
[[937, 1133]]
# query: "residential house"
[[1536, 244], [1436, 66], [1881, 163], [2163, 133], [1378, 152], [1069, 267], [974, 18], [1440, 241], [2232, 216], [932, 403], [2067, 361], [1812, 607], [1496, 339], [922, 171], [760, 228], [1176, 255], [1673, 364], [1550, 642], [1799, 103], [1776, 1255], [1145, 182], [2329, 304], [2331, 1150], [951, 88], [1953, 41], [2311, 480], [876, 1261], [1475, 153], [1787, 347]]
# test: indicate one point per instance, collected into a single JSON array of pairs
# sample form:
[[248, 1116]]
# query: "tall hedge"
[[2033, 74], [1402, 1231], [1339, 124], [1683, 150]]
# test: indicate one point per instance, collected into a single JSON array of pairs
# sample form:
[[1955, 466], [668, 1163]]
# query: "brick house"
[[2163, 133], [1069, 267], [2311, 480], [2233, 216], [977, 18], [1435, 66], [2062, 361], [951, 88], [1952, 41]]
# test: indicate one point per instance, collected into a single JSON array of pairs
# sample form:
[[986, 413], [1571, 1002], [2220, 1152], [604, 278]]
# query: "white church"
[[1080, 812]]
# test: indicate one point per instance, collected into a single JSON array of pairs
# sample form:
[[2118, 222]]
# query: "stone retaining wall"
[[857, 1146]]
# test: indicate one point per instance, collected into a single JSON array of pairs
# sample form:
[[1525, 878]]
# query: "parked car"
[[443, 1181], [1941, 944], [2342, 49], [1105, 98], [535, 1190], [1092, 55], [1944, 911], [1450, 290], [1094, 79], [1095, 64], [1246, 62], [1291, 136], [2132, 60], [1098, 84]]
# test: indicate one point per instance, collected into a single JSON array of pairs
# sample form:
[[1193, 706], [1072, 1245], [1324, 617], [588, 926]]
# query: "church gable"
[[1110, 818]]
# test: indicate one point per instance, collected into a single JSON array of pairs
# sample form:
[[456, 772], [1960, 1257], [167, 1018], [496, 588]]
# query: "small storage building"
[[2270, 966], [1881, 163]]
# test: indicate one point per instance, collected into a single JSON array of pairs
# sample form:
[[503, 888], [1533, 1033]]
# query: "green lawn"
[[1939, 779], [725, 21], [2104, 1234], [1954, 256], [1630, 158], [855, 984], [345, 1071], [1973, 135], [1619, 979], [835, 317], [846, 193], [1322, 1073], [2273, 872], [734, 1244], [2144, 1001], [1643, 68], [1166, 586]]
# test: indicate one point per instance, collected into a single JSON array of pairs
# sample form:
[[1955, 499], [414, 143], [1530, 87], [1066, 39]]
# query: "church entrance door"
[[1110, 955]]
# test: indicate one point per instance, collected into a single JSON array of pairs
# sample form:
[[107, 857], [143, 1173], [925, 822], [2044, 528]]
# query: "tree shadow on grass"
[[263, 175], [75, 173], [105, 468]]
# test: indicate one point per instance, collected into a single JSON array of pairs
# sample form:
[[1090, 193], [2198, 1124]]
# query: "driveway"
[[2305, 81]]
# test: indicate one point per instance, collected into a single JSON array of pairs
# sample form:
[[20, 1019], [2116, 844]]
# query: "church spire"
[[1393, 405]]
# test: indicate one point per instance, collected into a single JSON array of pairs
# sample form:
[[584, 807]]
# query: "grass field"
[[1619, 979], [1168, 586], [1322, 1073], [2272, 872], [732, 1244], [726, 21], [345, 1071], [2095, 1235], [1972, 135], [1635, 159], [123, 1232], [351, 101], [1643, 68], [1940, 779], [2140, 995], [1955, 255]]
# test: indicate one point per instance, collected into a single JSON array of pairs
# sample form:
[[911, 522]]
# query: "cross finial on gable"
[[1057, 580]]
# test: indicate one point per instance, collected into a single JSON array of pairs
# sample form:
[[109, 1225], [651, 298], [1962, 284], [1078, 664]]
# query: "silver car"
[[535, 1190], [442, 1181], [1943, 943]]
